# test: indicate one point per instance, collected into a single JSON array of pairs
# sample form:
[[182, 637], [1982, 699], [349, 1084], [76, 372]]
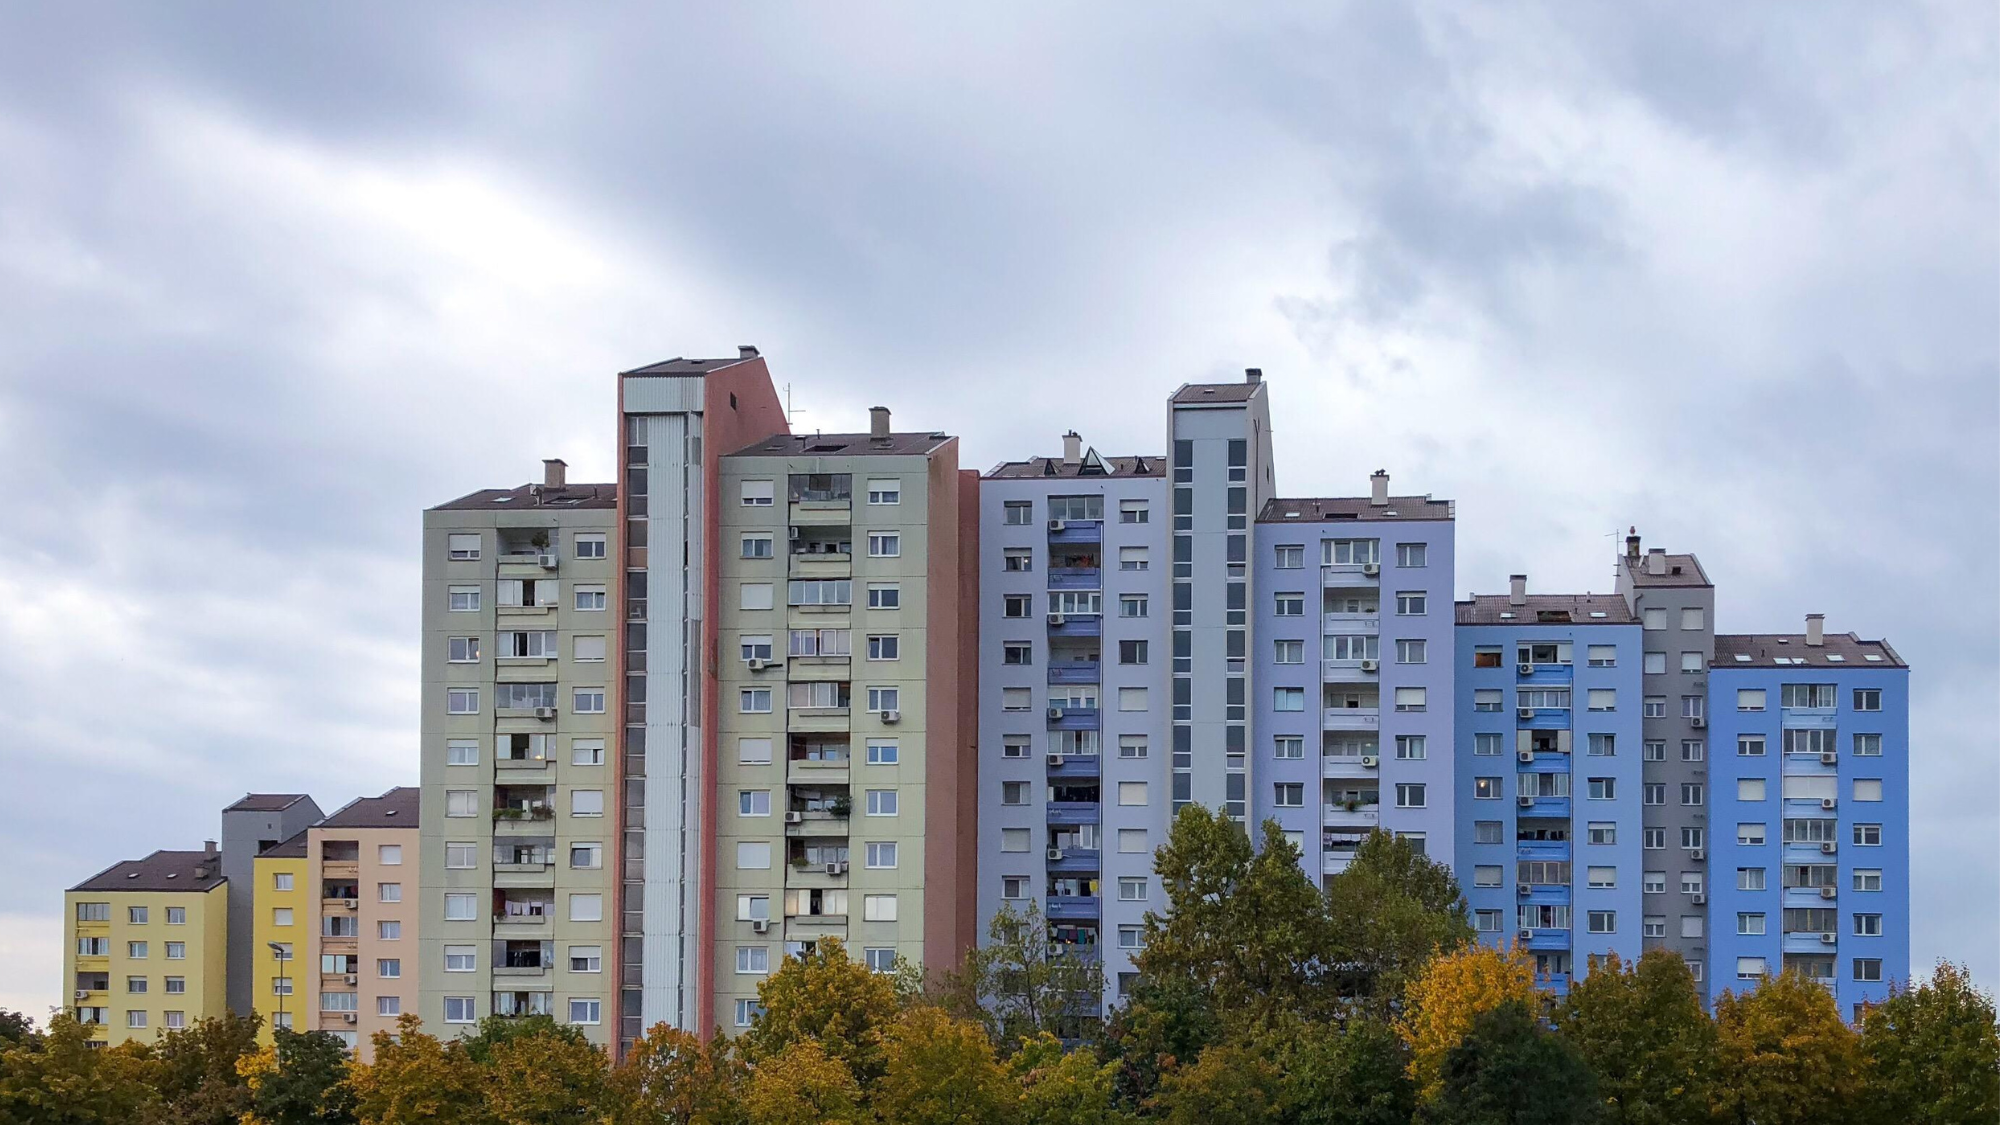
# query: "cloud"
[[274, 280]]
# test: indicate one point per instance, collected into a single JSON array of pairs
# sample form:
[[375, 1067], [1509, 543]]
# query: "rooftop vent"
[[746, 351], [1656, 561], [1815, 629], [878, 424], [1253, 375], [1072, 447], [1517, 589], [1378, 488], [555, 472]]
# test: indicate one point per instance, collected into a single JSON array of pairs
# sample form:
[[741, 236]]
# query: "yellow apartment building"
[[147, 945], [285, 916]]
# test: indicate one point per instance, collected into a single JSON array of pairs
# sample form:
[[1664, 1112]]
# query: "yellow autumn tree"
[[802, 1085], [940, 1071], [417, 1079], [1453, 990], [670, 1077]]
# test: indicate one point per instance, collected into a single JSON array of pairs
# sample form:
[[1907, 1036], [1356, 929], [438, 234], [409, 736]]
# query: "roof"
[[844, 445], [294, 848], [535, 496], [1354, 508], [1773, 650], [1546, 609], [1682, 570], [395, 809], [681, 365], [266, 802], [1198, 394], [1039, 467], [161, 871]]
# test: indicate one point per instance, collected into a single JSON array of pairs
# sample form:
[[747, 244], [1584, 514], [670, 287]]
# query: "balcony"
[[330, 868], [821, 510], [1543, 806], [1073, 813], [1349, 765], [815, 927], [1075, 861], [1351, 718], [1074, 908], [1545, 675], [1076, 578], [524, 876], [1542, 894], [1547, 940], [1351, 814], [1077, 532], [1810, 941], [1542, 718], [520, 764], [1350, 575], [1350, 671], [1541, 849], [821, 564], [1072, 718], [526, 922], [1807, 718], [1082, 767], [1075, 625], [1076, 672], [1351, 623], [816, 822], [815, 877]]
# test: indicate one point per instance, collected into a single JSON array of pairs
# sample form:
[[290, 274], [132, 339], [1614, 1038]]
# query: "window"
[[1486, 875], [1603, 921], [1603, 745], [1750, 699], [1131, 792], [878, 908], [881, 856], [389, 892], [753, 802], [754, 701], [1288, 699], [1602, 699], [1133, 558], [754, 595], [462, 546], [1868, 835], [1013, 887], [1749, 788], [1132, 890], [757, 546], [1867, 699], [1691, 838], [590, 545], [882, 752], [1751, 968], [1867, 925], [1132, 511], [135, 1018], [461, 802], [1486, 921], [1289, 795], [1132, 652], [1289, 605], [1655, 707], [1691, 793], [1410, 603], [1288, 652], [1868, 968], [1867, 745], [1017, 559], [1602, 656], [1486, 788], [1486, 832], [885, 544], [586, 908], [1412, 652], [753, 908], [1412, 747], [1017, 606], [1488, 699], [1486, 745], [747, 1011], [389, 930], [462, 599], [884, 647], [759, 493], [1410, 554], [882, 699], [1867, 788], [458, 1009], [1132, 605], [586, 857], [1867, 879], [590, 599], [1289, 556], [461, 701], [753, 959], [1410, 699], [1132, 699], [389, 968], [1016, 699], [1131, 746], [1655, 838], [460, 857], [1017, 513], [586, 1011], [586, 802], [1132, 841], [462, 650], [1750, 835], [1603, 788], [1013, 792], [460, 908], [461, 959], [1691, 662], [1654, 793], [135, 984], [1602, 832], [1284, 747], [1655, 619], [587, 701], [1350, 552], [1691, 925], [1409, 795], [882, 802], [753, 855], [1749, 878], [885, 491]]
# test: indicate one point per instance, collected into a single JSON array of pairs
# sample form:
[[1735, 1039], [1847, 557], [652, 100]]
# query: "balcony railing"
[[1076, 578], [1351, 718]]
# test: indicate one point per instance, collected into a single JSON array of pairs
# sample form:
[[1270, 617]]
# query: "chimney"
[[1656, 561], [746, 351], [1517, 589], [1253, 375], [1815, 629], [1072, 448], [1378, 489], [878, 423], [555, 471], [208, 847], [1632, 544]]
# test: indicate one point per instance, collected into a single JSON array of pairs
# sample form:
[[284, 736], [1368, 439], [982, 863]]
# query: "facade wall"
[[245, 833], [343, 986], [267, 969], [190, 956], [1741, 814], [1588, 828]]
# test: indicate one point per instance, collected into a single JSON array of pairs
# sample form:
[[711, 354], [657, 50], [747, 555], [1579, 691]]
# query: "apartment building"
[[147, 947], [1073, 700], [1548, 782], [1353, 655], [285, 915], [362, 886], [1675, 603], [518, 803], [1808, 858], [251, 825]]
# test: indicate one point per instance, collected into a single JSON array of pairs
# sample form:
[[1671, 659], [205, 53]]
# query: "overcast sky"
[[274, 278]]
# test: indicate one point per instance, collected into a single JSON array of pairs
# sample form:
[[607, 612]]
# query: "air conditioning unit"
[[1829, 892], [1830, 758], [545, 712], [1056, 618], [1371, 569], [349, 1017], [760, 925], [792, 533], [1057, 525], [757, 663], [1525, 669], [892, 717], [1697, 854], [1055, 712], [1369, 761], [1526, 755], [795, 817], [1700, 899], [1827, 802], [547, 559], [1828, 848], [352, 979], [1524, 712], [82, 993], [1370, 665], [1055, 759], [1525, 801], [1697, 722], [1829, 939], [1055, 854], [1527, 935], [352, 904], [837, 867], [1523, 889]]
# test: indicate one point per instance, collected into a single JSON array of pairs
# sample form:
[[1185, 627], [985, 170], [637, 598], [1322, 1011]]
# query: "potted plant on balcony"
[[801, 862], [1351, 804], [540, 540], [506, 812], [840, 807]]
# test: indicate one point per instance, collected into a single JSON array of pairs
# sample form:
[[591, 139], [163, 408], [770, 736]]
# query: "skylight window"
[[1874, 658], [1742, 659], [1836, 658]]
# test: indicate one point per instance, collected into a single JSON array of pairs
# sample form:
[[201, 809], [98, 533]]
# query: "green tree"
[[1162, 1023], [802, 1085], [1509, 1071], [16, 1027], [1227, 1085], [825, 996], [553, 1076], [301, 1079], [1442, 1002], [1642, 1029], [1388, 914], [195, 1070], [1064, 1087], [1932, 1053], [670, 1077], [497, 1030], [1356, 1076], [939, 1070], [418, 1080], [1784, 1057], [1017, 986], [61, 1079]]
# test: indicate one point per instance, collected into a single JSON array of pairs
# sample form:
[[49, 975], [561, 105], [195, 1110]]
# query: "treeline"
[[1261, 1000]]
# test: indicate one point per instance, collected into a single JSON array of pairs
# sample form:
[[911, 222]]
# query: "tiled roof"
[[680, 365], [1053, 467], [266, 802], [1774, 650], [398, 808], [161, 871], [1681, 570], [294, 848], [1354, 508], [1545, 609], [1195, 394], [843, 445], [535, 496]]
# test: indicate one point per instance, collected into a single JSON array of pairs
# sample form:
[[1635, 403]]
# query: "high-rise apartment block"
[[771, 688]]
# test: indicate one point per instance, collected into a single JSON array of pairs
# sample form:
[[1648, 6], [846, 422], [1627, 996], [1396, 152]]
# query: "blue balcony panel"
[[1077, 766], [1076, 672], [1074, 908], [1547, 762], [1541, 849], [1076, 861], [1543, 806], [1548, 940], [1543, 894], [1065, 814], [1807, 718], [1545, 675], [1078, 625], [1810, 853], [1076, 578], [1073, 718], [1545, 718], [1079, 531]]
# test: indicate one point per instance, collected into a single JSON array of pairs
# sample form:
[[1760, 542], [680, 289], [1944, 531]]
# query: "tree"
[[1784, 1056], [1016, 986], [823, 995], [1509, 1071], [670, 1077], [497, 1030], [61, 1079], [418, 1080], [1162, 1023], [551, 1076], [939, 1070], [1064, 1088], [1642, 1029], [1932, 1053], [1452, 991], [16, 1027], [195, 1069], [299, 1080], [1356, 1076], [1388, 913], [1227, 1085], [803, 1085]]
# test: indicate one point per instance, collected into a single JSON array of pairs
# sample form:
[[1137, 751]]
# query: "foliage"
[[16, 1027], [495, 1031], [551, 1075], [1642, 1029], [826, 997], [803, 1085], [940, 1070], [1784, 1057], [1227, 1085], [1064, 1088], [1017, 987], [418, 1080], [299, 1080], [1388, 913], [1932, 1053], [195, 1070], [1444, 999], [59, 1079], [1507, 1070], [670, 1077], [1356, 1076]]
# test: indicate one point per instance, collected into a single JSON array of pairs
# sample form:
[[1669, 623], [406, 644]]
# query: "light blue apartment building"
[[1809, 854], [1548, 778]]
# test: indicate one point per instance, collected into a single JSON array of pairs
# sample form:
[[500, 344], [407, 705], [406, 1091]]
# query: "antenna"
[[791, 411]]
